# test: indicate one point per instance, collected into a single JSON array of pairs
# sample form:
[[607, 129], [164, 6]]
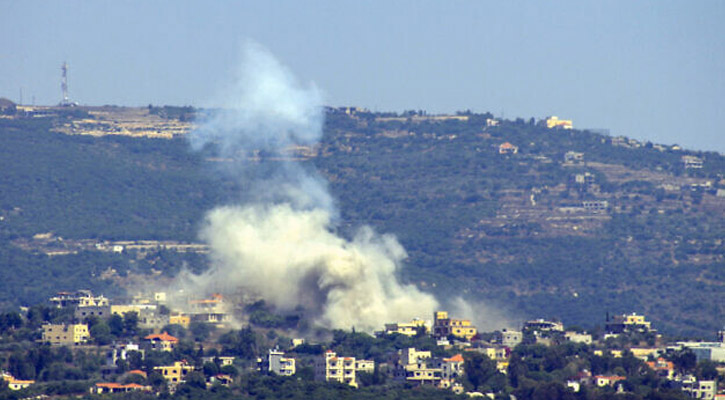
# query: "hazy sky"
[[651, 70]]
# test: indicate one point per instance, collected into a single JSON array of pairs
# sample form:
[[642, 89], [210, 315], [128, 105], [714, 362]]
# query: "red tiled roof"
[[456, 358], [611, 378], [162, 336], [133, 386], [110, 385], [20, 382], [137, 372], [115, 385]]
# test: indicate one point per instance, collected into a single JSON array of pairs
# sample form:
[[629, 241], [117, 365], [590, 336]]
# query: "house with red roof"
[[663, 368], [507, 148], [162, 341], [114, 387]]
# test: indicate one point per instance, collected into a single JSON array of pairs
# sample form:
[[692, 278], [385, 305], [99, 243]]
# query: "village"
[[147, 356]]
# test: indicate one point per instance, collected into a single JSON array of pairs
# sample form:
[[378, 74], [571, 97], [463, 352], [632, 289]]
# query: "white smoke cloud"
[[280, 243], [485, 317]]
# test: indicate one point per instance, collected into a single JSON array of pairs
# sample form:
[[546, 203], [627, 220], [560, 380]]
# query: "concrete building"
[[577, 337], [691, 162], [511, 338], [279, 364], [628, 323], [83, 312], [209, 311], [330, 367], [705, 390], [419, 368], [175, 373], [443, 326], [65, 335]]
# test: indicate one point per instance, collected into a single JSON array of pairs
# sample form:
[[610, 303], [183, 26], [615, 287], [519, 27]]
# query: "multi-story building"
[[444, 326], [692, 162], [175, 373], [698, 389], [416, 367], [419, 368], [330, 367], [209, 311], [65, 335], [279, 364]]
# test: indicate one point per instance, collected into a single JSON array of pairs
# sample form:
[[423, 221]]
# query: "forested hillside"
[[624, 227]]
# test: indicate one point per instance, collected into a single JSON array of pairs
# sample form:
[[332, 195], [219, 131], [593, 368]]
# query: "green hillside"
[[510, 229]]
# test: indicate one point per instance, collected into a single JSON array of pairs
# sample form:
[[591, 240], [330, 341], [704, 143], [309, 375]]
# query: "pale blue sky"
[[652, 70]]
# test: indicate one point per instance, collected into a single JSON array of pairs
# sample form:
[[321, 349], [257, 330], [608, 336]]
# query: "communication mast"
[[64, 87]]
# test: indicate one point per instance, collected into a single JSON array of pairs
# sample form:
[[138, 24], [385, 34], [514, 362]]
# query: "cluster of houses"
[[410, 365], [152, 314]]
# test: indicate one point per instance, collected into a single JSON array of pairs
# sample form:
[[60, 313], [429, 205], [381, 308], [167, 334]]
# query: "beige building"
[[65, 335], [330, 367], [175, 373], [444, 326], [419, 368], [179, 319], [554, 122], [406, 328], [628, 323]]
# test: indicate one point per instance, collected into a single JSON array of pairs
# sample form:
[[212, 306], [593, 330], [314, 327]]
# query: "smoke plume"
[[279, 242]]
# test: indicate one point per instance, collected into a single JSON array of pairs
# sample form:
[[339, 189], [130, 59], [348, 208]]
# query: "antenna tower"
[[64, 84]]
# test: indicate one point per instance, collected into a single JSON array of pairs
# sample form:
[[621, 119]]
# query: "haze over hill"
[[571, 224]]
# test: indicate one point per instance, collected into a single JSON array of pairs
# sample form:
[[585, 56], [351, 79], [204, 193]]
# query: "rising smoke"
[[280, 241]]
